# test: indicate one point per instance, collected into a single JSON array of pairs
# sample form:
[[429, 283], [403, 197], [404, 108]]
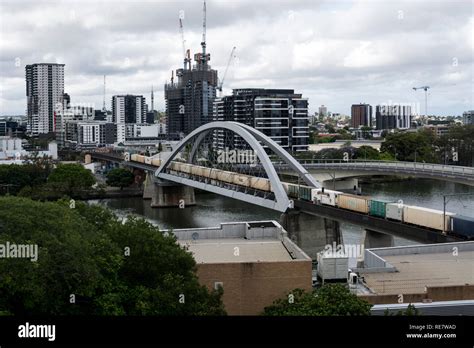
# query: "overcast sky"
[[333, 52]]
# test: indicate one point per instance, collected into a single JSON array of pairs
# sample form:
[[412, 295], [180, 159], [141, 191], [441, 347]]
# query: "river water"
[[211, 209]]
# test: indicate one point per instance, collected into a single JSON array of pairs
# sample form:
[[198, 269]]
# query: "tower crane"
[[203, 42], [185, 53], [181, 31], [425, 88], [219, 87]]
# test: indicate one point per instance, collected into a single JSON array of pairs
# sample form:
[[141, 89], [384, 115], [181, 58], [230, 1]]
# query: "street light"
[[446, 201]]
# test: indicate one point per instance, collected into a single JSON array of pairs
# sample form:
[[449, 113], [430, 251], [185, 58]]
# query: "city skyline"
[[310, 47]]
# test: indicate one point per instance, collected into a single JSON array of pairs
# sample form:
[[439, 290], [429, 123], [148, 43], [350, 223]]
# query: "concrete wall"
[[248, 230], [250, 287], [435, 293], [419, 249]]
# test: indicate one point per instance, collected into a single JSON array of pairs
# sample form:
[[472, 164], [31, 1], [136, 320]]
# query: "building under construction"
[[189, 100]]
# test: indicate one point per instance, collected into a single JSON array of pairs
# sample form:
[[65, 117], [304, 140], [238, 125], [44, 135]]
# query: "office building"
[[280, 114], [468, 117], [323, 111], [393, 116], [69, 112], [80, 134], [3, 128], [361, 115], [44, 92]]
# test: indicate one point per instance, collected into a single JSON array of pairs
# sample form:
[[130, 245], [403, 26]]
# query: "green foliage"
[[329, 300], [405, 146], [14, 177], [71, 179], [120, 177], [410, 311], [330, 128], [322, 140], [461, 139], [83, 251], [367, 152]]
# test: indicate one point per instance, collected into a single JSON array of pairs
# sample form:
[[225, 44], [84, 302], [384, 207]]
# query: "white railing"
[[407, 167]]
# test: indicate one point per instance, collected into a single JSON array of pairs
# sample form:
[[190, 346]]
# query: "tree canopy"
[[71, 178], [119, 177], [329, 300], [90, 262]]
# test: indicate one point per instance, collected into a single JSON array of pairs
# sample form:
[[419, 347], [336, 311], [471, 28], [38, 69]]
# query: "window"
[[218, 285]]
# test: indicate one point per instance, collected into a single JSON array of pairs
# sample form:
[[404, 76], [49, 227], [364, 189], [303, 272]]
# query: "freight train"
[[454, 224]]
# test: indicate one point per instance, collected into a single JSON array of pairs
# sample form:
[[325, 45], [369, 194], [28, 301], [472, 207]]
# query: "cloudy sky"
[[333, 52]]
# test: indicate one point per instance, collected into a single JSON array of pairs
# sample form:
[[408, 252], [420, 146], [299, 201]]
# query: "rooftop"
[[410, 269], [257, 241], [223, 250]]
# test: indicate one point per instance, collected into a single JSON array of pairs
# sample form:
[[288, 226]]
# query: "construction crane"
[[425, 88], [185, 53], [104, 109], [226, 68], [203, 42]]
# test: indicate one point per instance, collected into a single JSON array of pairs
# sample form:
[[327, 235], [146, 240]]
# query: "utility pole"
[[446, 201]]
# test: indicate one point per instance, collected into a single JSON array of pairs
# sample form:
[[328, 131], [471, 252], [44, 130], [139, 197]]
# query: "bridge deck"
[[376, 224]]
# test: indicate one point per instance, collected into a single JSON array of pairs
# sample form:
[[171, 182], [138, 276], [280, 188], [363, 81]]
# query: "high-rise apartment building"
[[323, 111], [280, 114], [44, 94], [468, 117], [127, 109], [361, 115], [189, 101], [393, 116]]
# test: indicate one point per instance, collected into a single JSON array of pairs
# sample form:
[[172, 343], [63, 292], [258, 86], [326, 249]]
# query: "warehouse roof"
[[237, 250], [254, 241], [419, 266]]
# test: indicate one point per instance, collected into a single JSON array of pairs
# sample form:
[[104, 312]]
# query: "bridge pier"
[[311, 233], [167, 194], [372, 239], [345, 184], [148, 186]]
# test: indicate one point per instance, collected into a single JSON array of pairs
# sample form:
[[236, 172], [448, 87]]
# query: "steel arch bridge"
[[278, 200]]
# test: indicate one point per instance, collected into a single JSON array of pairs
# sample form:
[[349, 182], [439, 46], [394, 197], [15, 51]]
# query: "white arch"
[[252, 137]]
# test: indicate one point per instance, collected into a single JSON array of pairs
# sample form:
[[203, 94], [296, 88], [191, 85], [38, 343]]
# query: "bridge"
[[192, 164], [329, 169]]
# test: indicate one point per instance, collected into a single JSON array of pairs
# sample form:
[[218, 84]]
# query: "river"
[[211, 209]]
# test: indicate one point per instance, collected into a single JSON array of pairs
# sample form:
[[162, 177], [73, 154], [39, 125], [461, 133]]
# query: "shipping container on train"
[[426, 217], [378, 207], [305, 193], [325, 196], [394, 211], [261, 184], [242, 180], [352, 202], [463, 226]]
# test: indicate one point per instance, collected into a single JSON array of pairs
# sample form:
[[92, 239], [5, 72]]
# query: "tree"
[[90, 262], [410, 311], [329, 300], [71, 179], [120, 177], [14, 177], [330, 128], [367, 152], [408, 146]]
